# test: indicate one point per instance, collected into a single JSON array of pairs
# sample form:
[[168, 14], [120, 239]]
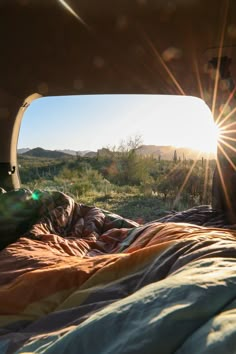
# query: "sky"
[[90, 122]]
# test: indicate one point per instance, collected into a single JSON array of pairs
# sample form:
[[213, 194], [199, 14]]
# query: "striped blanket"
[[83, 280]]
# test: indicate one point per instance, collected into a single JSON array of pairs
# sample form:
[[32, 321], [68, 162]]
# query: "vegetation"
[[139, 187]]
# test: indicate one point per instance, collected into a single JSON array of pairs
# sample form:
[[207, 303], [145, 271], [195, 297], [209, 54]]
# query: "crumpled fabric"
[[46, 215]]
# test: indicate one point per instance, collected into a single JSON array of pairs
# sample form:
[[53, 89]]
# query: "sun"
[[209, 138], [196, 128]]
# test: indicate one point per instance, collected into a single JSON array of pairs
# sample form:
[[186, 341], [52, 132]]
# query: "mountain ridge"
[[167, 152], [40, 152], [157, 151]]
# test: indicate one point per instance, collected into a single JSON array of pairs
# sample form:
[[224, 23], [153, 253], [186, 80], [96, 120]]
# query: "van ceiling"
[[55, 47]]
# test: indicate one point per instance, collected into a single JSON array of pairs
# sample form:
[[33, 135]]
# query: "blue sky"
[[95, 121]]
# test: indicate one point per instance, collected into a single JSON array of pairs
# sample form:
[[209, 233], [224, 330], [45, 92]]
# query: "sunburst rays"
[[226, 151], [170, 75], [206, 177], [185, 182], [223, 185], [222, 124], [164, 65], [227, 128], [217, 75], [198, 77], [227, 157], [231, 147], [218, 120], [72, 12], [226, 154]]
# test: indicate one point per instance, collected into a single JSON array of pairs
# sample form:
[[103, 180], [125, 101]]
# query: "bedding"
[[78, 279]]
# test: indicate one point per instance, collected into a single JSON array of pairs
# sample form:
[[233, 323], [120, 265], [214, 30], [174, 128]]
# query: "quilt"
[[79, 279]]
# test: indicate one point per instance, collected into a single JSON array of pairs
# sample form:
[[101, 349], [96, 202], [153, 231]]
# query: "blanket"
[[79, 279]]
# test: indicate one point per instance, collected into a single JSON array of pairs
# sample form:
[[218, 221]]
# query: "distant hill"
[[22, 151], [90, 154], [167, 152], [39, 152], [74, 152]]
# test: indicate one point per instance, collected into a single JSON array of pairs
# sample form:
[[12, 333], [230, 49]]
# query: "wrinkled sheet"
[[83, 280]]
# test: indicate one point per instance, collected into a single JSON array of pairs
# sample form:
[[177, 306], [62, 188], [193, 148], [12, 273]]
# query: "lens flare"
[[69, 9], [35, 195]]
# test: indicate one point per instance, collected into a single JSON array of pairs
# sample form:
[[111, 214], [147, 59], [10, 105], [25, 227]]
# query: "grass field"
[[136, 207]]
